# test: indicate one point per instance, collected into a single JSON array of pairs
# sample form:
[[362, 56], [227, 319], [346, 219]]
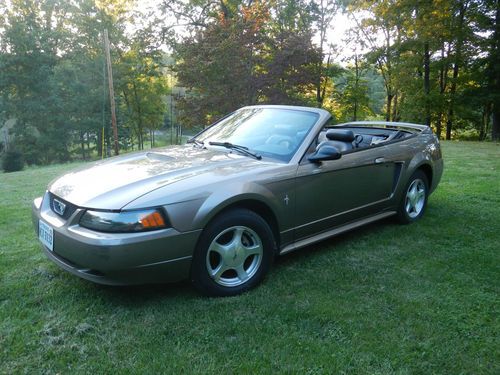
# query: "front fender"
[[196, 213], [230, 195]]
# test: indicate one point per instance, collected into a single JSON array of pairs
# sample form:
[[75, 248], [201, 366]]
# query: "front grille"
[[69, 210]]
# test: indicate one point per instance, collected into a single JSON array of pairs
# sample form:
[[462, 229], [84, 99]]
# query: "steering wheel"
[[281, 140], [358, 138]]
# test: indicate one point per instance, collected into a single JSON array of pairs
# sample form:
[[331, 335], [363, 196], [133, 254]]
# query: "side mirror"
[[325, 152]]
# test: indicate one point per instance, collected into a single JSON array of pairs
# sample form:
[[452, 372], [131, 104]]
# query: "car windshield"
[[271, 132]]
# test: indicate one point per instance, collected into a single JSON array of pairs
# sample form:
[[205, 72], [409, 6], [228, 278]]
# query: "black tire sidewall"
[[403, 216], [199, 273]]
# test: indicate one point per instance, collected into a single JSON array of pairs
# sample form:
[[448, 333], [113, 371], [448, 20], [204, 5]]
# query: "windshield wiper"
[[242, 149], [196, 142]]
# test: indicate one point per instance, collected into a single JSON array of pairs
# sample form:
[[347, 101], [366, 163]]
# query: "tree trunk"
[[495, 126], [139, 117], [439, 126], [82, 143], [427, 83], [356, 66], [321, 89], [88, 144], [443, 74], [485, 122], [495, 77], [389, 104], [453, 89], [106, 146], [395, 108], [319, 98], [99, 143], [322, 37], [458, 55], [449, 123]]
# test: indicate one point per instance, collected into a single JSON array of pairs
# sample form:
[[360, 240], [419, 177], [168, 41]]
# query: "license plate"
[[46, 235]]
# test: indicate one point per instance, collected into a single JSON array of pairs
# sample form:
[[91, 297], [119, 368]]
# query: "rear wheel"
[[233, 254], [414, 201]]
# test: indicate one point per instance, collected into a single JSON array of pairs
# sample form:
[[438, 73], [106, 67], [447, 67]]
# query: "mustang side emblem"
[[59, 207]]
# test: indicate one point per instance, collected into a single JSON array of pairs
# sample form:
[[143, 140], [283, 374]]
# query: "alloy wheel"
[[415, 198], [234, 256]]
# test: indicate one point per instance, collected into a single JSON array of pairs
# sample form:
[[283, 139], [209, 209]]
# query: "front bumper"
[[116, 258]]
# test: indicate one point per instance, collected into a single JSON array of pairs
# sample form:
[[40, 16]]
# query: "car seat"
[[340, 138]]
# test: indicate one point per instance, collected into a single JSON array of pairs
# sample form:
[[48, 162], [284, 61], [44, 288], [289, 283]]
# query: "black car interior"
[[347, 140]]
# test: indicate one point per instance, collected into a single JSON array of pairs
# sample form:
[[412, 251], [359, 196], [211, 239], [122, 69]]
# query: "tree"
[[493, 71], [143, 87], [385, 18], [431, 58], [33, 32], [248, 55], [352, 92], [290, 69], [323, 13], [219, 66]]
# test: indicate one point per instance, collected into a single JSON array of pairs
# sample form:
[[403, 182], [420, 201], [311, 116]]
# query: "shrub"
[[12, 161], [466, 134]]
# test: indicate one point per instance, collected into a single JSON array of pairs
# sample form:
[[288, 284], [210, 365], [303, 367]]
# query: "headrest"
[[342, 135]]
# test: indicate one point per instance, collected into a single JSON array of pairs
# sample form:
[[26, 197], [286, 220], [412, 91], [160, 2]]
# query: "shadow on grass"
[[336, 243], [139, 295]]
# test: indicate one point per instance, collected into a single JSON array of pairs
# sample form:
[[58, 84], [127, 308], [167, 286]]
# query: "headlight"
[[125, 221]]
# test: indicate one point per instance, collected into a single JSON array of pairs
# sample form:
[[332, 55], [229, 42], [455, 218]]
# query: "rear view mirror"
[[325, 152]]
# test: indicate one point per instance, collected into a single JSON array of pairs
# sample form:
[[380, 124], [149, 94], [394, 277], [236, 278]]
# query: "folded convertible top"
[[387, 124]]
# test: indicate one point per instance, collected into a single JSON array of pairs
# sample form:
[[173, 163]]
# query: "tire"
[[414, 200], [234, 253]]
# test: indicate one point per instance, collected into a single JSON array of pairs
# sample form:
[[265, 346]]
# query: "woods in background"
[[429, 61]]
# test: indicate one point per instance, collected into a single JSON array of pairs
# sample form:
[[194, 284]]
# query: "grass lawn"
[[384, 299]]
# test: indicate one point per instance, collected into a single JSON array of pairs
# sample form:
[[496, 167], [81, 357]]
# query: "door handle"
[[379, 160]]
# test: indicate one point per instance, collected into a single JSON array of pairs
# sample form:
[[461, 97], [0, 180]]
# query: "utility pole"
[[111, 90]]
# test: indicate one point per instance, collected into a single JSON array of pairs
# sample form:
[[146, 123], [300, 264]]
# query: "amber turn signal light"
[[152, 220]]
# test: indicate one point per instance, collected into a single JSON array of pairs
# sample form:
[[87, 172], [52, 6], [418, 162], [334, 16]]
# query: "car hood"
[[113, 183]]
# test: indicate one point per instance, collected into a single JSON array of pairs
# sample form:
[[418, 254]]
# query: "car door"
[[335, 192]]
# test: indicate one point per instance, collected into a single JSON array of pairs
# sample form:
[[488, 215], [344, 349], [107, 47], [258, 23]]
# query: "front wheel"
[[234, 253], [414, 201]]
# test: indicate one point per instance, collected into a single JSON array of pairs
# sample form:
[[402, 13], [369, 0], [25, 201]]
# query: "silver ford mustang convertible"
[[263, 181]]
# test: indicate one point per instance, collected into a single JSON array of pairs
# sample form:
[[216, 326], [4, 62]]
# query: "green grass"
[[385, 299]]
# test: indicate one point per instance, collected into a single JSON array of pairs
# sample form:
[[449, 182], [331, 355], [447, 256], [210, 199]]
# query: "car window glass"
[[271, 132]]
